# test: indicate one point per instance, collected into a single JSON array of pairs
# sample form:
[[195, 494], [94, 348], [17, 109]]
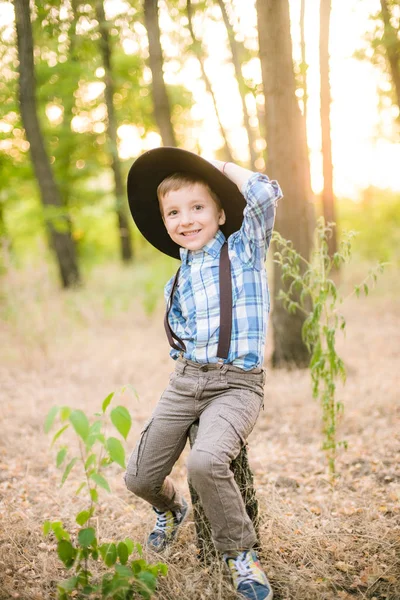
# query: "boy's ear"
[[222, 217]]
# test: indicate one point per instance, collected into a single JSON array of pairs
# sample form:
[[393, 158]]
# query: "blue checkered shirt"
[[194, 315]]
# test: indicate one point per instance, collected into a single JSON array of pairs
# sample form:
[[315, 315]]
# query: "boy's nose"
[[186, 219]]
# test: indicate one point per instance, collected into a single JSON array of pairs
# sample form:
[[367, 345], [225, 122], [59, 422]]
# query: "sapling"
[[309, 288], [127, 575]]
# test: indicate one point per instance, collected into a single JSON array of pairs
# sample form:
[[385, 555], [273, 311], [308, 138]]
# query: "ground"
[[319, 541]]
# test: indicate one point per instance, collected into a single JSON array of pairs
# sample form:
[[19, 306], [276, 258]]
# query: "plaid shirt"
[[194, 314]]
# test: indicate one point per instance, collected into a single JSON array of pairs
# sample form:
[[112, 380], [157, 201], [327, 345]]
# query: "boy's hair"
[[177, 181]]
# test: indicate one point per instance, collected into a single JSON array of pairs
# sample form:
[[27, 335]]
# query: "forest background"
[[313, 101]]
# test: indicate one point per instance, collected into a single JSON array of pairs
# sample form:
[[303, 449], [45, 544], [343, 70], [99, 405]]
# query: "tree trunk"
[[328, 199], [241, 83], [304, 65], [162, 109], [392, 45], [244, 479], [58, 227], [196, 46], [119, 191], [288, 163]]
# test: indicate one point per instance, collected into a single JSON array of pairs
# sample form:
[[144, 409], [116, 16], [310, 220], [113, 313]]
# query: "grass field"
[[319, 542]]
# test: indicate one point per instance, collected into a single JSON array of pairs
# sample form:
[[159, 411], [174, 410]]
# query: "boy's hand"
[[237, 174], [218, 164]]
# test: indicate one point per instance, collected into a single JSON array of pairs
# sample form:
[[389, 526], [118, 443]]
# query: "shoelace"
[[242, 569], [164, 521]]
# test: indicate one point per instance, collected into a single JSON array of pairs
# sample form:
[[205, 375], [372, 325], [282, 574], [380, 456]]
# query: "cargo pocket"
[[240, 424], [141, 445]]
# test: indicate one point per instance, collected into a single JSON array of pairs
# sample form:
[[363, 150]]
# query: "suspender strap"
[[168, 329], [225, 303], [225, 308]]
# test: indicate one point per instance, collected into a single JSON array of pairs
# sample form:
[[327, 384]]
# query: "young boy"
[[218, 218]]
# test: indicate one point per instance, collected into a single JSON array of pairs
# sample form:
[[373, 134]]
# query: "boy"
[[218, 218]]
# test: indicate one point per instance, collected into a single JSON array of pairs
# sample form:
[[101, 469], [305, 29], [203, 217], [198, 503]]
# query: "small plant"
[[127, 575], [310, 289]]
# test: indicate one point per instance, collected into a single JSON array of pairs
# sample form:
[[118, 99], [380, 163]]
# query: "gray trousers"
[[226, 400]]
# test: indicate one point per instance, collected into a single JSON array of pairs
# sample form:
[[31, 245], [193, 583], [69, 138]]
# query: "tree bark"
[[162, 110], [328, 199], [392, 45], [58, 227], [197, 50], [119, 191], [288, 163], [241, 83], [244, 479]]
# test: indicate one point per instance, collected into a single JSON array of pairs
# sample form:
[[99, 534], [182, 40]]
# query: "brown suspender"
[[225, 308]]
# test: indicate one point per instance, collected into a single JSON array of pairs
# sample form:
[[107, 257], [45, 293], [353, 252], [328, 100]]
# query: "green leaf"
[[66, 553], [123, 553], [91, 460], [68, 470], [86, 537], [108, 553], [94, 495], [129, 544], [106, 402], [116, 451], [46, 527], [51, 415], [65, 411], [80, 423], [59, 432], [121, 420], [80, 488], [162, 568], [59, 531], [68, 585], [61, 456], [101, 481], [124, 571], [149, 582], [82, 517]]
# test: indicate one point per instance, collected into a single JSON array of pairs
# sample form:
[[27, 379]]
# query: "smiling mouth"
[[190, 233]]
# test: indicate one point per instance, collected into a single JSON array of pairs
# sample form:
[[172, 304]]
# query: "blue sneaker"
[[166, 527], [247, 575]]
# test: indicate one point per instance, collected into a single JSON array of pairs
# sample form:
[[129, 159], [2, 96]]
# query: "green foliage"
[[377, 222], [125, 574], [310, 289]]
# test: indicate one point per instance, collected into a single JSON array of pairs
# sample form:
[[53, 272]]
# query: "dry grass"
[[318, 542]]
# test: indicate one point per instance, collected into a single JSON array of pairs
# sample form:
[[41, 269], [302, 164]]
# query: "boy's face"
[[191, 216]]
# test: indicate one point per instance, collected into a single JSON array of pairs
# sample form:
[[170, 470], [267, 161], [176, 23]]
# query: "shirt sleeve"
[[254, 237]]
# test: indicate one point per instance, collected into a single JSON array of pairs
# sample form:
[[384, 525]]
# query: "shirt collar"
[[213, 248]]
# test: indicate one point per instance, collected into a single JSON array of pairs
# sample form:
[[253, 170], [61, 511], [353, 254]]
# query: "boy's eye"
[[172, 213], [198, 207]]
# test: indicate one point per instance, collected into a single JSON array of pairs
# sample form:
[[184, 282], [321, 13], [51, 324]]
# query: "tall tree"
[[328, 198], [196, 47], [391, 40], [119, 190], [162, 108], [59, 227], [303, 66], [287, 162], [235, 51]]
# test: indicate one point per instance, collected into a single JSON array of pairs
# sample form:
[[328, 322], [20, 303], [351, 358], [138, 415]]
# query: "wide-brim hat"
[[149, 170]]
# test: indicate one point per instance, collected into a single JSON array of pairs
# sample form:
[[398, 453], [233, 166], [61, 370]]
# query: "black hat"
[[151, 168]]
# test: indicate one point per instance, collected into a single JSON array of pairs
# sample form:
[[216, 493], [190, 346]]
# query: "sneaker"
[[248, 577], [166, 527]]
